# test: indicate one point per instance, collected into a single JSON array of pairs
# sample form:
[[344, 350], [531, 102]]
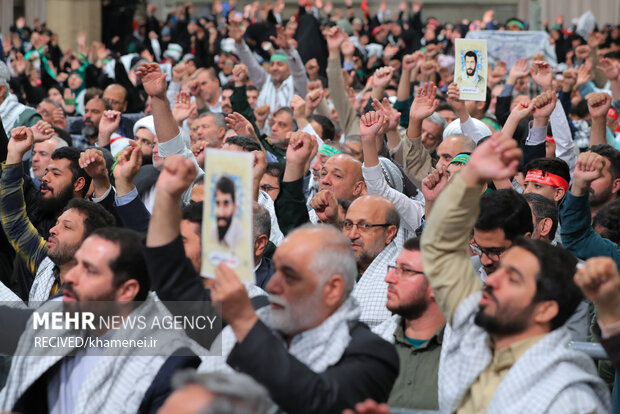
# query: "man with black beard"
[[505, 347], [63, 181], [228, 231], [416, 330]]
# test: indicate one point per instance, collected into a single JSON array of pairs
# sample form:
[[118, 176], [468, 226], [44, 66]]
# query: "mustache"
[[44, 186], [68, 288], [489, 291], [277, 301]]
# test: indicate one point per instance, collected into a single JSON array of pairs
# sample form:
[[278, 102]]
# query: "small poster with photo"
[[471, 69], [227, 213]]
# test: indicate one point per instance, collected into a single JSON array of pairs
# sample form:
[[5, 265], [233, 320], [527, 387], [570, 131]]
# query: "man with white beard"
[[308, 348]]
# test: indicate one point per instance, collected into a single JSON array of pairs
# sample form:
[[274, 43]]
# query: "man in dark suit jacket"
[[341, 363]]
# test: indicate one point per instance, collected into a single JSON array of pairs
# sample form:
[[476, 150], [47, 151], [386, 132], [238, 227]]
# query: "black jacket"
[[367, 369]]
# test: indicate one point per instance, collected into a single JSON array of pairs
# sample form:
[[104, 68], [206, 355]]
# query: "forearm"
[[165, 222], [598, 133], [377, 93], [577, 233], [411, 211], [255, 71], [101, 186], [20, 232], [615, 88], [298, 71], [393, 139], [344, 108], [404, 86], [165, 125], [415, 128], [445, 241], [369, 147], [293, 172], [565, 147]]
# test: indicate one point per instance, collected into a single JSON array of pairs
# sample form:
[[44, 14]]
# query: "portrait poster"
[[471, 69], [227, 213]]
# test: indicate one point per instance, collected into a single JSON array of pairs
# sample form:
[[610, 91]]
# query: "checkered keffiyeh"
[[386, 329], [115, 384], [548, 378], [371, 290], [276, 235], [318, 348], [43, 282]]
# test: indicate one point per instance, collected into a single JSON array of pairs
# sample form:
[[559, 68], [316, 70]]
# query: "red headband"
[[537, 176]]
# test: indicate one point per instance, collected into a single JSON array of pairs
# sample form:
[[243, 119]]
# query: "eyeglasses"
[[402, 272], [267, 188], [492, 253], [362, 227]]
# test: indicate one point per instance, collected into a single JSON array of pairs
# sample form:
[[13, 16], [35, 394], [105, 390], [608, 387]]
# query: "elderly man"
[[508, 339], [205, 87], [198, 393], [286, 75], [115, 98], [371, 224], [209, 127], [13, 113], [331, 360], [416, 330], [85, 133]]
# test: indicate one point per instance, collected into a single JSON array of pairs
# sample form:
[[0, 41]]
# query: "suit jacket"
[[134, 215], [264, 272], [174, 278], [367, 369]]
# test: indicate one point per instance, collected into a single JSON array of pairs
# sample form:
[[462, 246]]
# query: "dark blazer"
[[367, 369], [134, 215], [174, 278], [264, 272]]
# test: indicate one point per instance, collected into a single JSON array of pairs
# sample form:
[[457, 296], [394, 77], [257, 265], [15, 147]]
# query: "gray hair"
[[60, 143], [235, 393], [335, 256], [468, 144], [438, 120], [262, 221], [288, 111], [53, 102], [5, 76], [218, 119]]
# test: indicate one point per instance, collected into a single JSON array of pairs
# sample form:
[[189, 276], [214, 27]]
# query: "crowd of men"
[[411, 250]]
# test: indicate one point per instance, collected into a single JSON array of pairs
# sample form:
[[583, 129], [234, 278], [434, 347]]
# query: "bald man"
[[416, 160], [371, 224], [342, 175], [115, 97]]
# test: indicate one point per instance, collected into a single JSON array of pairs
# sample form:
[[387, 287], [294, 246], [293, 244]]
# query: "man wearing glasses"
[[371, 224], [504, 215], [416, 330]]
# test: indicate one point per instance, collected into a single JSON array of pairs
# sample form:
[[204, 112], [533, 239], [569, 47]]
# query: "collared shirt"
[[481, 393], [416, 384]]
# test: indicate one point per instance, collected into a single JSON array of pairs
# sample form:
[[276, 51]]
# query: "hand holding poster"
[[227, 213], [471, 69]]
